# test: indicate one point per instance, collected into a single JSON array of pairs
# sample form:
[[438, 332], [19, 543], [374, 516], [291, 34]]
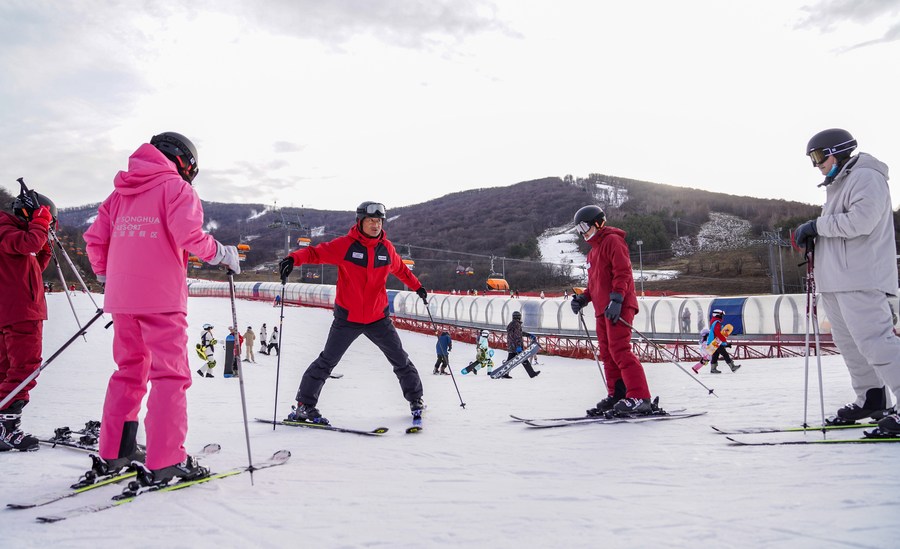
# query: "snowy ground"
[[473, 478], [559, 246]]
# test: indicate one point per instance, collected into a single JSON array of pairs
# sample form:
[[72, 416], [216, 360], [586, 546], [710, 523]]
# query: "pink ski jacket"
[[143, 235]]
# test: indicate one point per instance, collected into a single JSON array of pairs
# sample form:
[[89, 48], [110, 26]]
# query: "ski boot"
[[697, 367], [603, 406], [306, 414], [444, 371], [633, 406], [714, 368], [416, 407], [873, 407], [11, 436], [890, 425], [435, 372], [734, 367], [188, 469]]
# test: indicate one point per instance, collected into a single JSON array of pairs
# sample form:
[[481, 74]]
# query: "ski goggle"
[[582, 227], [372, 210], [819, 156]]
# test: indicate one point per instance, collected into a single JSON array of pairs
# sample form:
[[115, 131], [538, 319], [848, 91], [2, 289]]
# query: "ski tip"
[[282, 455], [380, 430], [47, 520], [211, 448], [414, 429]]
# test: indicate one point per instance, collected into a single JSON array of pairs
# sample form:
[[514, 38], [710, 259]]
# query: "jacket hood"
[[603, 233], [865, 160], [147, 168]]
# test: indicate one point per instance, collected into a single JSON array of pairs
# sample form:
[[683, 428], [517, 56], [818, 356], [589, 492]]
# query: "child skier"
[[273, 343], [483, 354], [443, 347], [208, 346], [611, 289], [24, 254], [263, 350], [715, 332], [701, 348]]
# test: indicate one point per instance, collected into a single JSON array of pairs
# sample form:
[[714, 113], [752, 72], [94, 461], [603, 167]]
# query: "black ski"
[[374, 432], [279, 458], [573, 418], [873, 436], [86, 485], [539, 424], [757, 430]]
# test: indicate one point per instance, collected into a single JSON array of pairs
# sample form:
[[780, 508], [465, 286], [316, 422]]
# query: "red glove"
[[42, 217]]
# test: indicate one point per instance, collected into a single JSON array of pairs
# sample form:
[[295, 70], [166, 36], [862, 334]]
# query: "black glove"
[[285, 266], [804, 234], [614, 309], [578, 302], [423, 294]]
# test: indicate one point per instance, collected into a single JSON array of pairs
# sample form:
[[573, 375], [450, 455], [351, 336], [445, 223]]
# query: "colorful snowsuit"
[[140, 242]]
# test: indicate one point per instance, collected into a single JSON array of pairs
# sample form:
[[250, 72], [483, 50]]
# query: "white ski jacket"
[[856, 248]]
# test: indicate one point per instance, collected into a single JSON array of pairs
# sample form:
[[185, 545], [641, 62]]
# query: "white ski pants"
[[862, 329]]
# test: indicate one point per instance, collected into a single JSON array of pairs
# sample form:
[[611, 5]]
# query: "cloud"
[[404, 23], [828, 14]]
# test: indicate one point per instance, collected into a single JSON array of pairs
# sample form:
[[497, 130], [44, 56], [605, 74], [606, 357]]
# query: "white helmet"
[[207, 326], [718, 312], [485, 333]]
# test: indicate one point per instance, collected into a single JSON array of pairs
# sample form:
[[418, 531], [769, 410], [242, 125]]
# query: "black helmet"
[[587, 217], [833, 142], [179, 150], [517, 315], [370, 209], [26, 204]]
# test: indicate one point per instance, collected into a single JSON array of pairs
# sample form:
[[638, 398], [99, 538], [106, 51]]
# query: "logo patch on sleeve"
[[358, 255], [382, 258]]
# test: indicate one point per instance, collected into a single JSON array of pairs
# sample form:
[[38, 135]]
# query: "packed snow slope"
[[473, 477]]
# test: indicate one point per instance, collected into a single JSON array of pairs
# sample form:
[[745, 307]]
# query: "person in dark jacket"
[[364, 258], [515, 343], [24, 254], [611, 289], [443, 347]]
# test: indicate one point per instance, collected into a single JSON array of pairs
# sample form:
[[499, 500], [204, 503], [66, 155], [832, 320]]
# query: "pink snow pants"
[[614, 343], [149, 347]]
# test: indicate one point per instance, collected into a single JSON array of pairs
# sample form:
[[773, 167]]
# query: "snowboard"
[[504, 368], [726, 331], [476, 364], [229, 357]]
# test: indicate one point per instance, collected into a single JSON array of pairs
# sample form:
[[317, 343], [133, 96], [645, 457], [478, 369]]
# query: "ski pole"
[[452, 375], [278, 362], [62, 280], [660, 349], [812, 316], [47, 362], [72, 266], [240, 370], [591, 344]]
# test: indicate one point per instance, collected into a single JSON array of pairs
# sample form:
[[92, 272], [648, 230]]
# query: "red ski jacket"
[[609, 270], [24, 255], [364, 264]]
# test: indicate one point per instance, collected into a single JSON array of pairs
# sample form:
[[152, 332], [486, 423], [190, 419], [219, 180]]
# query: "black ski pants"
[[526, 364], [342, 334], [721, 351]]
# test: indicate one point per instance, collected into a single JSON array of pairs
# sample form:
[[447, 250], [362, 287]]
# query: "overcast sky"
[[329, 103]]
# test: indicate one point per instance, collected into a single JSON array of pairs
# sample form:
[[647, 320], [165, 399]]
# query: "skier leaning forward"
[[365, 258], [611, 289], [139, 247]]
